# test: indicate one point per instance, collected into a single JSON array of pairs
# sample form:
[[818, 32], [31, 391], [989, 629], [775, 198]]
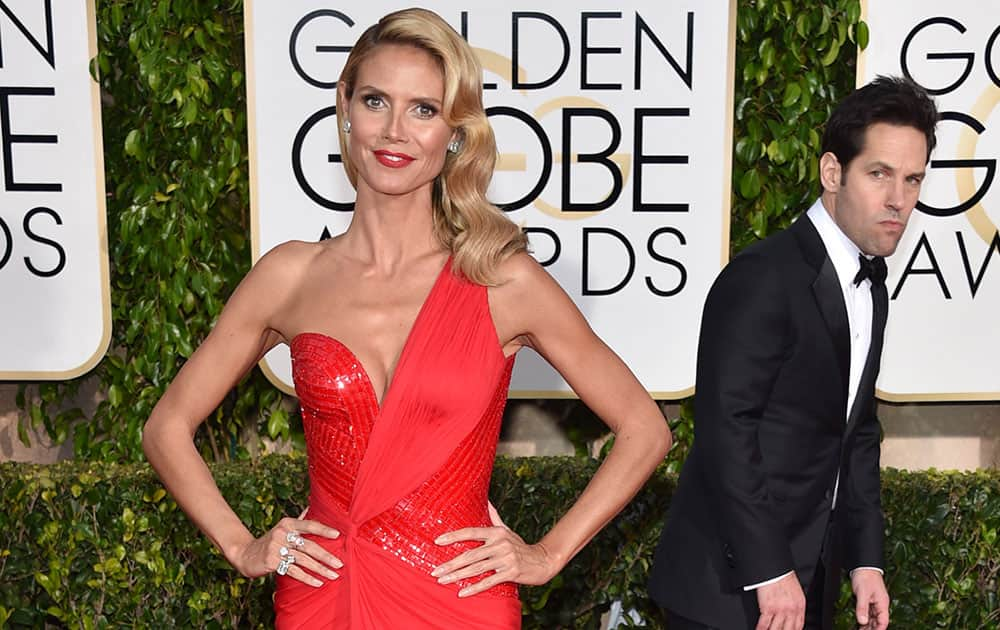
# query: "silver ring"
[[283, 566], [287, 560], [295, 539]]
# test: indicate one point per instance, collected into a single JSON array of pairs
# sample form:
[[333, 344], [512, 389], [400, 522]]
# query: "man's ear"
[[830, 172]]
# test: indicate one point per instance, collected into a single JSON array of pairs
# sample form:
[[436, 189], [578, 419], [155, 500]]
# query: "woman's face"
[[398, 138]]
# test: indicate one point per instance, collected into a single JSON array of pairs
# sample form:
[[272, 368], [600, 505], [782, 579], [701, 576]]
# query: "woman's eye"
[[426, 111], [373, 100]]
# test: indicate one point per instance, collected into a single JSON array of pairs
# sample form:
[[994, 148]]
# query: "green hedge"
[[89, 545]]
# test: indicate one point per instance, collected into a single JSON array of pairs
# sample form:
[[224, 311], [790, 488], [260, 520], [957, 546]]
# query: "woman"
[[403, 332]]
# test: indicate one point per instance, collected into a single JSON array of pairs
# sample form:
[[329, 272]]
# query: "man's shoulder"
[[780, 260], [784, 242], [774, 252]]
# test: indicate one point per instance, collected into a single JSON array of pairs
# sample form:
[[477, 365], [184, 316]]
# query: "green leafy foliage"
[[89, 545], [794, 62], [175, 152]]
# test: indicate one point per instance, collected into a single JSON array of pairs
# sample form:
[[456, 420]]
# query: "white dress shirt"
[[843, 253]]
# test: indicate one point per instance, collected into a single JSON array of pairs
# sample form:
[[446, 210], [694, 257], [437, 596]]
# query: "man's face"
[[872, 199]]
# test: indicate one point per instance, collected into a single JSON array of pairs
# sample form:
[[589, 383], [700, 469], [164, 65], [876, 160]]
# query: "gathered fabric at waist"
[[381, 585], [407, 532]]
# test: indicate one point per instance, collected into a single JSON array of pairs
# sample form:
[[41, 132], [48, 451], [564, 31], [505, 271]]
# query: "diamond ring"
[[287, 560]]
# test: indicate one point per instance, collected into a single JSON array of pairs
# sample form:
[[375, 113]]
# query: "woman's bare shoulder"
[[520, 273], [287, 262]]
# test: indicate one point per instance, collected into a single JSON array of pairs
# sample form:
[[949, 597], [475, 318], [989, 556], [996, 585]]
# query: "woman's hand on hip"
[[503, 557], [284, 550]]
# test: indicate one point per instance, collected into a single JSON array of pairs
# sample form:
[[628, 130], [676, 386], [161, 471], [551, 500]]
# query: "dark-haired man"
[[780, 492]]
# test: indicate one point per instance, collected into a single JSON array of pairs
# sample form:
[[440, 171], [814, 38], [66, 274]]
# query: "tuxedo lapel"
[[880, 311], [830, 299], [828, 294]]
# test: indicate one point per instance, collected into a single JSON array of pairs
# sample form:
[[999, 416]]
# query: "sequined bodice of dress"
[[339, 411]]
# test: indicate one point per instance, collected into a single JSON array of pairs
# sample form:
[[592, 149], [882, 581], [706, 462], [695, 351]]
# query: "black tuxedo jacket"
[[754, 497]]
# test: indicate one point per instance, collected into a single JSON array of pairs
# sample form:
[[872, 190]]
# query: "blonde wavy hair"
[[477, 233]]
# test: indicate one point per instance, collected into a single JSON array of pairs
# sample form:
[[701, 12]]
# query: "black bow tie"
[[871, 268]]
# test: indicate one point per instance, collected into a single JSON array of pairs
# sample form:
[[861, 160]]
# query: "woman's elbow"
[[662, 440]]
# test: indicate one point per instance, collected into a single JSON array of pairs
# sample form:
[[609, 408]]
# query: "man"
[[780, 492]]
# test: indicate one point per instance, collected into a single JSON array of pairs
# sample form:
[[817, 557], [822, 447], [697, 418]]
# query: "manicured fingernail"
[[316, 583], [334, 533], [337, 564], [436, 572], [441, 540], [332, 574], [463, 593]]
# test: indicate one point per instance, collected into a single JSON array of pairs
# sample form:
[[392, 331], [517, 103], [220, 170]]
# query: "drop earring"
[[347, 126], [454, 146]]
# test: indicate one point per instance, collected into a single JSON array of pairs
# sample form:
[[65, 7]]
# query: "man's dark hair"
[[892, 100]]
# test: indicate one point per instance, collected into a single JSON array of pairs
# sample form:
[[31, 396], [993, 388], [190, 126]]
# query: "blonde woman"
[[403, 332]]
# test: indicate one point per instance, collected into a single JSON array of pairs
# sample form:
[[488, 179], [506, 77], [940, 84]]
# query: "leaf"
[[115, 395], [766, 52], [750, 184], [22, 433], [824, 25], [831, 53], [853, 11], [861, 34], [132, 144], [277, 423], [792, 93], [802, 25], [775, 152]]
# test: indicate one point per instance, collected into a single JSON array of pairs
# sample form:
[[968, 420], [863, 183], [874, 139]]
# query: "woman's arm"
[[240, 338], [532, 310]]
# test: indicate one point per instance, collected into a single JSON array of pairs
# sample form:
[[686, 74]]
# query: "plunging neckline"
[[390, 380]]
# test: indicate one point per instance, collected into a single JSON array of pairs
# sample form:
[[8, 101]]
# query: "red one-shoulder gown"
[[395, 476]]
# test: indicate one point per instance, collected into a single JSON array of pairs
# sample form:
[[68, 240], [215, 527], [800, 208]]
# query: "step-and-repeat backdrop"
[[943, 335], [614, 133], [54, 291]]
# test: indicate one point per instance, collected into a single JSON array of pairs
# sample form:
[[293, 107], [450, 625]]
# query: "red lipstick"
[[392, 159]]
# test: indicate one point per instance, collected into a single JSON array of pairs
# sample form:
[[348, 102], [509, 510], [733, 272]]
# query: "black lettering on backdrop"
[[587, 49], [41, 239], [990, 70], [994, 247], [601, 157], [48, 52], [587, 231], [556, 244], [8, 243], [541, 25], [639, 158], [990, 166], [7, 139], [686, 74], [293, 43], [464, 32], [682, 281], [934, 269], [300, 176], [543, 141], [967, 56], [516, 18]]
